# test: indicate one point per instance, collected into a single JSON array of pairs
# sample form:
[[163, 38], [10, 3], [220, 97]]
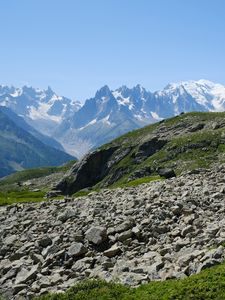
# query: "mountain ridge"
[[110, 113]]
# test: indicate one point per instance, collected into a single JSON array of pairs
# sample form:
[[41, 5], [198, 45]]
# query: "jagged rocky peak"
[[103, 92]]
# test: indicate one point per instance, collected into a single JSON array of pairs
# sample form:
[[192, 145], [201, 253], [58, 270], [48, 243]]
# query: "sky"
[[77, 46]]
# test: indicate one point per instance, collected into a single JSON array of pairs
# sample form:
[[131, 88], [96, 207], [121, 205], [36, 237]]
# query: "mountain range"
[[110, 113]]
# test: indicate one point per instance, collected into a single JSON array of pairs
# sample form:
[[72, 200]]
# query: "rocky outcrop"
[[166, 173], [148, 148], [166, 229], [97, 165], [86, 173]]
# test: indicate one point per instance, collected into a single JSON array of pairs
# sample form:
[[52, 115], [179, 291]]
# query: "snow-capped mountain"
[[43, 109], [201, 95], [109, 113], [105, 116]]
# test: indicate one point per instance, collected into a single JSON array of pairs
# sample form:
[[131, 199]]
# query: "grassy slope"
[[34, 173], [11, 193], [209, 284], [180, 152]]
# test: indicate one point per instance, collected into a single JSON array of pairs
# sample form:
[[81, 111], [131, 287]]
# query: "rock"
[[53, 194], [19, 287], [148, 148], [45, 241], [155, 231], [197, 127], [67, 214], [166, 172], [113, 251], [37, 258], [125, 235], [136, 231], [90, 170], [77, 249], [207, 264], [96, 235], [187, 230], [26, 275], [10, 240]]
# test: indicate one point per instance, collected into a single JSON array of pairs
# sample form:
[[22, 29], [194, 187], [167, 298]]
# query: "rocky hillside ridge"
[[169, 147], [166, 229]]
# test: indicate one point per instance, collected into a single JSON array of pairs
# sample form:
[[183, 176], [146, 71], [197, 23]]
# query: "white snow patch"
[[42, 113], [139, 117], [124, 101], [17, 93], [155, 115], [117, 94], [106, 120], [90, 123]]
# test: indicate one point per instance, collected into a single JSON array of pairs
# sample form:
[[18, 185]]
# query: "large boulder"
[[87, 172]]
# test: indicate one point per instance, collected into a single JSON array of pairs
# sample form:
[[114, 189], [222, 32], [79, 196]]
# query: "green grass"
[[7, 198], [137, 182], [34, 173], [209, 284], [81, 193]]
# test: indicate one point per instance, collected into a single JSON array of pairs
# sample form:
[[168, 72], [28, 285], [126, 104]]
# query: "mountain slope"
[[185, 142], [20, 122], [20, 149]]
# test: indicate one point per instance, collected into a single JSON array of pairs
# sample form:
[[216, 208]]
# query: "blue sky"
[[77, 46]]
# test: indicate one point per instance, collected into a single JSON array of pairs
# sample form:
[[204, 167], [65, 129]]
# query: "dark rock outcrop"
[[166, 172], [148, 148], [89, 171]]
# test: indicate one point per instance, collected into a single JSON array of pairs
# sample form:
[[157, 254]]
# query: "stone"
[[10, 240], [45, 241], [19, 287], [25, 275], [77, 249], [96, 235], [37, 258], [67, 214], [207, 264], [113, 251], [186, 230], [159, 230], [125, 235]]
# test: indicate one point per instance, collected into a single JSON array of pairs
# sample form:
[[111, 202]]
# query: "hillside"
[[186, 142], [21, 150]]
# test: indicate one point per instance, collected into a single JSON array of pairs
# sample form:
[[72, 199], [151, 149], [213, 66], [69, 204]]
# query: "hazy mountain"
[[109, 113], [20, 149], [20, 122]]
